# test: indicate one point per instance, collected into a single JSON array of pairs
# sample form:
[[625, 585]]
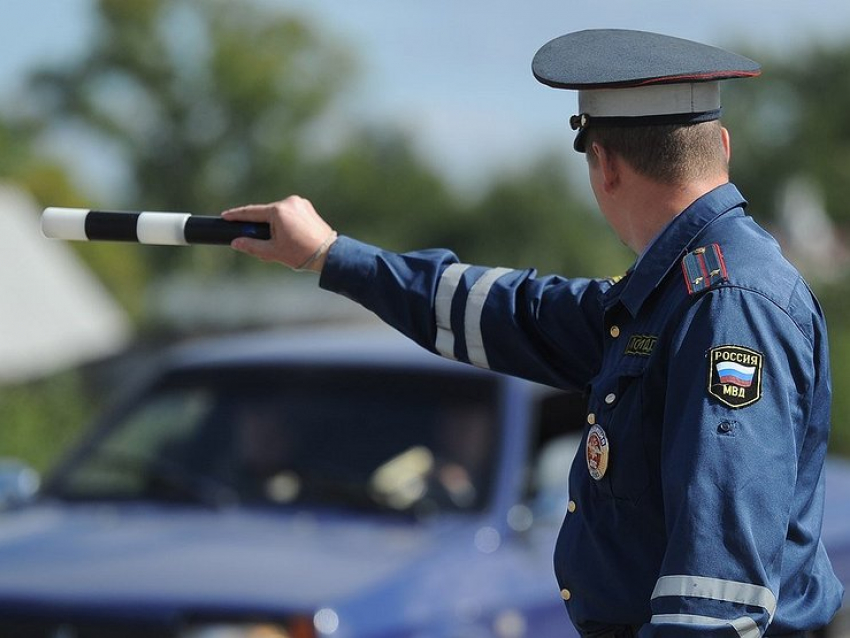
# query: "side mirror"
[[18, 482]]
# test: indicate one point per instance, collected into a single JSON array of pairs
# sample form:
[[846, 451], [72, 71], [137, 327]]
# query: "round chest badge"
[[596, 452]]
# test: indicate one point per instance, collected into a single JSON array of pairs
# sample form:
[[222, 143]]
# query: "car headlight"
[[324, 622], [297, 628]]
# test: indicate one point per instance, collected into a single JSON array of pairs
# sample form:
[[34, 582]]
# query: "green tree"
[[204, 104], [793, 121], [39, 419], [535, 219], [22, 164], [378, 189]]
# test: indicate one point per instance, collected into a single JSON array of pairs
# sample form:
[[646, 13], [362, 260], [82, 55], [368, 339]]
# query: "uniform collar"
[[671, 245]]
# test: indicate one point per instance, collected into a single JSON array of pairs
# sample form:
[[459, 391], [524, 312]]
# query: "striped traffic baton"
[[158, 228]]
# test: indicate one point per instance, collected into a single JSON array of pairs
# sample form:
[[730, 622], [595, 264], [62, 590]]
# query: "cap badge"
[[579, 122], [734, 375], [596, 452]]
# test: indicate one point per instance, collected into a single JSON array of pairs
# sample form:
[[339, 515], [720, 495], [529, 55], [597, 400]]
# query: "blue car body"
[[80, 567]]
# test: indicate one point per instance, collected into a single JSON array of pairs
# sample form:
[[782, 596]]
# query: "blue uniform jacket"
[[697, 497]]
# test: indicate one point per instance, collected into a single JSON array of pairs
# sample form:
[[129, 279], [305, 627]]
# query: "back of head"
[[670, 154]]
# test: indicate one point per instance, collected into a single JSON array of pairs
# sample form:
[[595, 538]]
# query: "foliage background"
[[197, 121]]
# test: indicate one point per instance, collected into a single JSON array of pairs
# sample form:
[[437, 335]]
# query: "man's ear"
[[727, 143], [609, 165]]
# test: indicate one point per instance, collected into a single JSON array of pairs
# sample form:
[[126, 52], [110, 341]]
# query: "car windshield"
[[387, 439]]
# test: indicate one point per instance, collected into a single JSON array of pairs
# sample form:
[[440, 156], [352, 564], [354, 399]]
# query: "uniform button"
[[591, 418], [610, 398], [615, 331], [565, 594], [571, 507]]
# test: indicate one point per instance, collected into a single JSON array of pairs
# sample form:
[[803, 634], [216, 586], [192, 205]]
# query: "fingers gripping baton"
[[162, 229]]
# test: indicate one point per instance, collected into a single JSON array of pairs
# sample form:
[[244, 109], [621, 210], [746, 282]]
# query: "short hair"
[[670, 154]]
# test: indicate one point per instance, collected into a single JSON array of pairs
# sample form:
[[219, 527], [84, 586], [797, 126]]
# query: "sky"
[[456, 74]]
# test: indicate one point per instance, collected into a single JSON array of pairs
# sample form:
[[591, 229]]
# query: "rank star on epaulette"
[[734, 375], [704, 267]]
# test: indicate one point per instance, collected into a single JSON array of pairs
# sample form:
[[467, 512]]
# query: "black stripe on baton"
[[111, 226], [201, 229]]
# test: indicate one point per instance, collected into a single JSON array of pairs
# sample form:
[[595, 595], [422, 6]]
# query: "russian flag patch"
[[703, 267], [734, 375]]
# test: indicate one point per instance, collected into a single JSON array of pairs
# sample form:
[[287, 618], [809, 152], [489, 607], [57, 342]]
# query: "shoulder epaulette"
[[704, 267]]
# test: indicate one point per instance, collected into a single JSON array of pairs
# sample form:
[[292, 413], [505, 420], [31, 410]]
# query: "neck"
[[655, 205]]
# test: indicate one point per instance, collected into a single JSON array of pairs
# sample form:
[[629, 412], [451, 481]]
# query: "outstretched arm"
[[547, 329]]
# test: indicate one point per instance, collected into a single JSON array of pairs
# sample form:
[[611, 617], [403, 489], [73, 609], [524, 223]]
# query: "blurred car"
[[309, 485]]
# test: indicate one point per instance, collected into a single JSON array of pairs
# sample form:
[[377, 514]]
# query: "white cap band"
[[650, 100]]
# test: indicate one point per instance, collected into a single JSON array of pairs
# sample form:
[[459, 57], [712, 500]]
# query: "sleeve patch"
[[704, 267], [734, 375]]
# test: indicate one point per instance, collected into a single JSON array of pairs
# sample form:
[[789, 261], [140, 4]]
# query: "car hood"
[[836, 520], [253, 561]]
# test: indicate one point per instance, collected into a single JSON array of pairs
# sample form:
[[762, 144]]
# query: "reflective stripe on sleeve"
[[446, 289], [716, 589], [472, 317], [745, 626]]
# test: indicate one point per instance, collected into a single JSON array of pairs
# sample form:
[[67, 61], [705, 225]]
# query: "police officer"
[[696, 499]]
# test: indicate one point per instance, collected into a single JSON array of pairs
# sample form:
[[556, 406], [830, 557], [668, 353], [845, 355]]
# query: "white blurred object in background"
[[54, 313]]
